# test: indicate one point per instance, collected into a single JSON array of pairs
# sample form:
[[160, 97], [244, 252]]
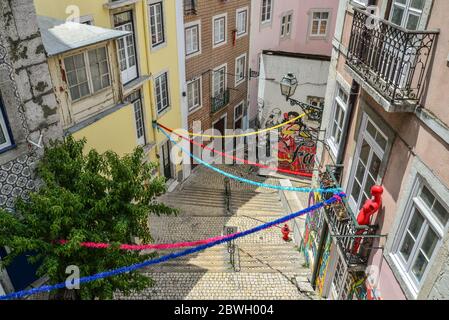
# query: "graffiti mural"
[[324, 264], [313, 225], [297, 142]]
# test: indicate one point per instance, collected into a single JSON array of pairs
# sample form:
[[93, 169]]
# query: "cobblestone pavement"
[[219, 286], [266, 267]]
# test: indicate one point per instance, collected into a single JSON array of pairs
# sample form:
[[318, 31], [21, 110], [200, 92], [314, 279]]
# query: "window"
[[99, 69], [219, 30], [242, 22], [266, 11], [219, 81], [194, 94], [157, 24], [320, 21], [192, 39], [407, 13], [338, 120], [161, 89], [136, 100], [87, 73], [5, 139], [370, 152], [286, 25], [238, 116], [126, 47], [240, 69], [340, 280], [423, 232]]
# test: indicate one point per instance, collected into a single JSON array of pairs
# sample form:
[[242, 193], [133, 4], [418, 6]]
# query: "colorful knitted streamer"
[[172, 256], [254, 183], [302, 174]]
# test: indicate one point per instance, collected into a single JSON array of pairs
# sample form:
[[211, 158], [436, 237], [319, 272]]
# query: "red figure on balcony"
[[370, 207]]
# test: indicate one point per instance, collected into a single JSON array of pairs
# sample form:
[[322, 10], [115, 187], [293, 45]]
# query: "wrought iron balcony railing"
[[354, 241], [220, 101], [390, 58], [190, 7]]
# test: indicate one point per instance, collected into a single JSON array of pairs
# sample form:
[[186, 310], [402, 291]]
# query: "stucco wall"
[[312, 78], [267, 36]]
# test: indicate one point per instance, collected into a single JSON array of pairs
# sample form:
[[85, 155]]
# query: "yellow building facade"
[[146, 77]]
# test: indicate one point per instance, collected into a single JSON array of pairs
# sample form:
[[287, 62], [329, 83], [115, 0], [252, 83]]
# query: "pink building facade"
[[293, 26], [387, 123]]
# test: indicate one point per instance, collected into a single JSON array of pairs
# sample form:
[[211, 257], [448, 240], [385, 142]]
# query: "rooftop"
[[61, 36]]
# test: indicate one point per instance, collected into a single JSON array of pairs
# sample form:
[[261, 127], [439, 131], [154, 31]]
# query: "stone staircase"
[[265, 267], [193, 201]]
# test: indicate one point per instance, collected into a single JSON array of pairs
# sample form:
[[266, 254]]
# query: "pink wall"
[[267, 37]]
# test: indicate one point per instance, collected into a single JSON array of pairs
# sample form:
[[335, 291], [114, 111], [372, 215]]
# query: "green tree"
[[86, 197]]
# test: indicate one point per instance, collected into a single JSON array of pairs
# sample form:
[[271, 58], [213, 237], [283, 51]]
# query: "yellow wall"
[[114, 132], [151, 62]]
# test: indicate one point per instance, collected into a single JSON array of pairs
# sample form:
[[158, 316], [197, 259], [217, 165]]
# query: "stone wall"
[[28, 98]]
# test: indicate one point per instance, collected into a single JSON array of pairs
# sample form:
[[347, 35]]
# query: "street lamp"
[[289, 83]]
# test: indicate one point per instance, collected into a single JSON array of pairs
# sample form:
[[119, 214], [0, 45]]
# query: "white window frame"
[[200, 105], [141, 140], [363, 3], [163, 24], [263, 18], [217, 17], [4, 128], [131, 72], [156, 78], [242, 103], [408, 11], [415, 203], [239, 80], [312, 19], [343, 105], [225, 66], [238, 11], [375, 149], [193, 24], [85, 55], [286, 25]]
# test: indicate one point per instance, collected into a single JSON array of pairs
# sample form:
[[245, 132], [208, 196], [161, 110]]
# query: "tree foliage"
[[86, 197]]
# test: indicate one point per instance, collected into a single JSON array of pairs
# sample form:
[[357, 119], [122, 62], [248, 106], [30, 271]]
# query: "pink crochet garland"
[[132, 247]]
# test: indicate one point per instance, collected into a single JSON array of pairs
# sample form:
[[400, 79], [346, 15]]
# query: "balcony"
[[390, 59], [354, 241], [220, 101], [190, 7]]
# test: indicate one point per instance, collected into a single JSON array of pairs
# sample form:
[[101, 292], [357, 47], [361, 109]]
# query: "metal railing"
[[190, 7], [227, 194], [220, 101], [390, 58], [355, 241]]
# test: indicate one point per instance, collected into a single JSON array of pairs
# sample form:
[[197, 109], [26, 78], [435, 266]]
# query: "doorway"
[[166, 160]]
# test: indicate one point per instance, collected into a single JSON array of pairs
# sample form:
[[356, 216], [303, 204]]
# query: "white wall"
[[312, 78]]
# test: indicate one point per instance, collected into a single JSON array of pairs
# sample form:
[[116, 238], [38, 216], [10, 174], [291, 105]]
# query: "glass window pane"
[[429, 243], [412, 22], [441, 213], [397, 15], [360, 173], [407, 246], [375, 166], [364, 152], [427, 197], [356, 191], [416, 224], [417, 4], [419, 267]]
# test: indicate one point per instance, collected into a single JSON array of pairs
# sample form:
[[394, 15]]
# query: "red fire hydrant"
[[285, 232]]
